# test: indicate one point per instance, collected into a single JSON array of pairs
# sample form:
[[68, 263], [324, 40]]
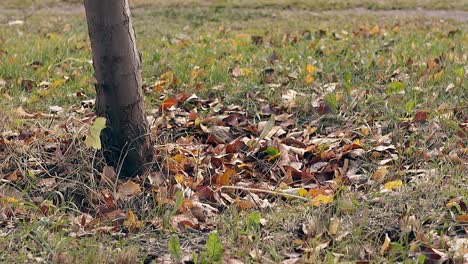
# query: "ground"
[[285, 132]]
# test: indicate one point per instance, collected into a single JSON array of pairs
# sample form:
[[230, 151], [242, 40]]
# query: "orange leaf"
[[462, 218], [375, 30], [315, 192], [169, 102], [225, 179], [380, 174], [309, 79], [311, 69], [433, 64], [355, 145], [327, 155], [244, 205]]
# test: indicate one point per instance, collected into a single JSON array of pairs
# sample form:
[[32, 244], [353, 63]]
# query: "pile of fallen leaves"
[[210, 156]]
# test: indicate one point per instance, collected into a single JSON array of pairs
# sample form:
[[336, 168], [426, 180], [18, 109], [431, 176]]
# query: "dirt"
[[461, 16]]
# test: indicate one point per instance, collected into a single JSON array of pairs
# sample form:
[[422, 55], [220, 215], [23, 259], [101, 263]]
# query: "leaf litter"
[[213, 156], [226, 158]]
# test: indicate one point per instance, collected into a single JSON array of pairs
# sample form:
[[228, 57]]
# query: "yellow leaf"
[[321, 199], [357, 142], [311, 69], [365, 131], [246, 71], [197, 72], [179, 158], [93, 139], [130, 188], [438, 76], [309, 79], [58, 83], [132, 222], [339, 97], [452, 204], [380, 174], [303, 192], [180, 178], [6, 201], [393, 185]]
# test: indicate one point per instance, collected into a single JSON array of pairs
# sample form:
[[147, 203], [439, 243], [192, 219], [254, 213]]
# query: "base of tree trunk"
[[126, 140]]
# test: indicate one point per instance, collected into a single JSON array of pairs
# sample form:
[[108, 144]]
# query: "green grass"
[[384, 80]]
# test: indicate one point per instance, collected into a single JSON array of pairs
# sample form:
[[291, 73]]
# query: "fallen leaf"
[[182, 222], [420, 116], [380, 174], [58, 83], [462, 218], [311, 69], [375, 30], [47, 182], [225, 179], [309, 79], [433, 64], [334, 225], [237, 71], [321, 199], [93, 139], [129, 188], [108, 199], [393, 185], [303, 192], [315, 192], [55, 109], [132, 222], [169, 102], [386, 245]]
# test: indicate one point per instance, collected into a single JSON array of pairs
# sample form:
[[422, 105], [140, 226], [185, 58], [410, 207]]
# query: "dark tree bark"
[[120, 100]]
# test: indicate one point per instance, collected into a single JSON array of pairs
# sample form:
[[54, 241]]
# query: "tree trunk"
[[120, 100]]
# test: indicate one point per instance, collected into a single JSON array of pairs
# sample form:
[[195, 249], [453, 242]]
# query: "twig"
[[287, 195]]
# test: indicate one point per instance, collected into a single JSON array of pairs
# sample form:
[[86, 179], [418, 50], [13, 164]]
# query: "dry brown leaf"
[[334, 225], [386, 246], [237, 71], [129, 188]]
